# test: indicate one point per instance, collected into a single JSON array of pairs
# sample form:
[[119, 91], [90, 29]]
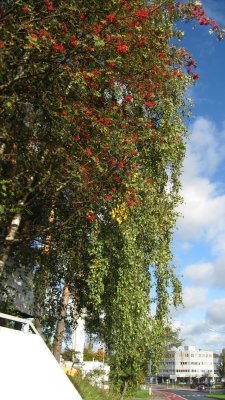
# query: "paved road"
[[175, 394]]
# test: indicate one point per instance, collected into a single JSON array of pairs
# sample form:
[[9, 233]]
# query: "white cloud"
[[203, 209], [194, 297], [197, 331], [205, 151], [208, 273], [203, 223], [215, 313], [195, 328], [197, 334], [202, 273]]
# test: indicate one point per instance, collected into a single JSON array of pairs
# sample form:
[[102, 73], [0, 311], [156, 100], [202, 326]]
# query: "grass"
[[89, 392], [140, 394]]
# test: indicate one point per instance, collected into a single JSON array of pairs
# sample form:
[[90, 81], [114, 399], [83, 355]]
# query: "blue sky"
[[199, 242]]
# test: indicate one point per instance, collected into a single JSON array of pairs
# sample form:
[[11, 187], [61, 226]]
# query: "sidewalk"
[[156, 395]]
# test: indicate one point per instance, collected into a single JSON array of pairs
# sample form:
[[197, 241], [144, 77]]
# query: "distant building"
[[188, 365]]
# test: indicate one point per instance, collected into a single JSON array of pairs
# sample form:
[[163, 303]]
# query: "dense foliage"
[[93, 137], [220, 369]]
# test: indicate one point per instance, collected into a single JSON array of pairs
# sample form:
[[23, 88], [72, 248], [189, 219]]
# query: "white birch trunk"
[[2, 149], [13, 229]]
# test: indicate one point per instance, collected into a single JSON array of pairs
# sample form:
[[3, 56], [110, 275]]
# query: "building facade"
[[188, 365]]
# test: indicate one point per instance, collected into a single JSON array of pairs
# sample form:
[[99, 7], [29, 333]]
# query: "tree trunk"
[[13, 229], [2, 149], [38, 309], [57, 345], [124, 390], [38, 325]]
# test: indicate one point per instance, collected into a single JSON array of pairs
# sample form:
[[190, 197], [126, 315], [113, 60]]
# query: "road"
[[187, 394], [176, 394]]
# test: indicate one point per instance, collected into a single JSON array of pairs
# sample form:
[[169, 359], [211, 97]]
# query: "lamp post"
[[103, 355], [150, 380]]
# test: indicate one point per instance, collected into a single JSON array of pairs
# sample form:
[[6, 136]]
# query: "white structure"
[[90, 366], [78, 339], [187, 364], [28, 370], [99, 370]]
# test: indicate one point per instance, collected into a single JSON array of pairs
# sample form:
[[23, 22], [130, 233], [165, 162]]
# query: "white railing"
[[27, 325]]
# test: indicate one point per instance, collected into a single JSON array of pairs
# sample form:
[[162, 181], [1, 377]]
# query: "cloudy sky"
[[199, 243]]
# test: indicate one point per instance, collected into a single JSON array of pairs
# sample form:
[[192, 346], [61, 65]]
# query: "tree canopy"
[[220, 368], [93, 107]]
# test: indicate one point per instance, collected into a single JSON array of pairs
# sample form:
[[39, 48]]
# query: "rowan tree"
[[93, 98], [85, 90]]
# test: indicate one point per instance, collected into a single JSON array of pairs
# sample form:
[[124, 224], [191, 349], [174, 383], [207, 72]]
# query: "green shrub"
[[88, 392]]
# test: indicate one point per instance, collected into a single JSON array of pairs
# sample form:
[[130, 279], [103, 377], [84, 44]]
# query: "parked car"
[[202, 387]]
